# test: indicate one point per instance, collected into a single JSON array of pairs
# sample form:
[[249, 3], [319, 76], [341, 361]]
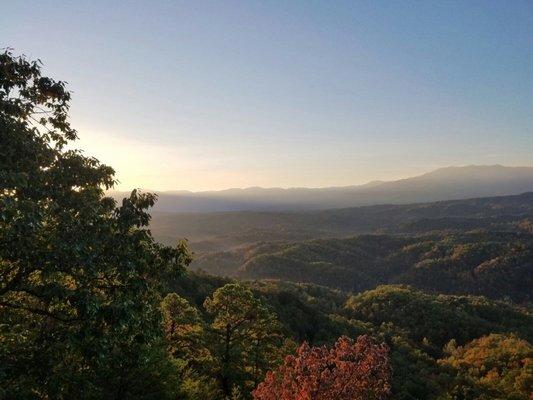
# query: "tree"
[[185, 335], [349, 370], [243, 335], [183, 328], [79, 276]]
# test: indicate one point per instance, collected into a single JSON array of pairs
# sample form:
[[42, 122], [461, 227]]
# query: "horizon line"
[[375, 181]]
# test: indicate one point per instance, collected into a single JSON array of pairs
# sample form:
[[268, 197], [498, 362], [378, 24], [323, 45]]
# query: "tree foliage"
[[79, 276], [502, 363], [438, 318], [244, 334], [350, 370], [232, 343], [184, 329], [494, 264], [417, 327]]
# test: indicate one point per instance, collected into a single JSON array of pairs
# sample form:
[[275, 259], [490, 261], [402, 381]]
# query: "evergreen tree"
[[244, 336]]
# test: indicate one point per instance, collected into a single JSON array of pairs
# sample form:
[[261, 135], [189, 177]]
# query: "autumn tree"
[[501, 364], [79, 275], [350, 370], [244, 337]]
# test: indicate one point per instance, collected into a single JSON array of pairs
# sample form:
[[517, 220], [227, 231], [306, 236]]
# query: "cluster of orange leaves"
[[354, 370]]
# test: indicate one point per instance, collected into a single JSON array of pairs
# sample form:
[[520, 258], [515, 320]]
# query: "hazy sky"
[[208, 95]]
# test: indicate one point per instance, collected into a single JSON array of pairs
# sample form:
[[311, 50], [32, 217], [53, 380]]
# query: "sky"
[[201, 95]]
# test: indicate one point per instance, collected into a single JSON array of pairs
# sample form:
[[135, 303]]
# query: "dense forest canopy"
[[425, 333], [435, 306]]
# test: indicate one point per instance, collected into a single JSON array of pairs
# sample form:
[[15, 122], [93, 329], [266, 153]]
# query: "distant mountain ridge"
[[442, 184]]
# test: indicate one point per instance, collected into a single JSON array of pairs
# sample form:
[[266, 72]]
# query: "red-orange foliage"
[[350, 370]]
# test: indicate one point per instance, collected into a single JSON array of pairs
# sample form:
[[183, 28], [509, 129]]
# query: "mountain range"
[[441, 184]]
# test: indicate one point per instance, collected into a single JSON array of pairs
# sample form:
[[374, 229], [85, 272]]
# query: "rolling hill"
[[493, 264]]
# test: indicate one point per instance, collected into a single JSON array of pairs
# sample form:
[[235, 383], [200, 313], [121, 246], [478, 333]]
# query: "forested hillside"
[[433, 339], [494, 264]]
